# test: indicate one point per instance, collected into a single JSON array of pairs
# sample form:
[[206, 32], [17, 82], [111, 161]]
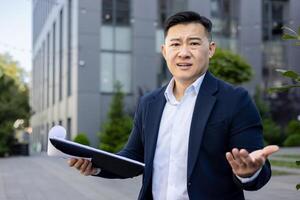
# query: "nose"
[[184, 52]]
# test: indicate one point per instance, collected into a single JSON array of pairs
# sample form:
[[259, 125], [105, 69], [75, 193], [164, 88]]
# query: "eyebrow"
[[191, 38], [174, 39], [195, 38]]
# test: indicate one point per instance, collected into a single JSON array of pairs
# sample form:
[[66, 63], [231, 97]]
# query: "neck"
[[179, 88]]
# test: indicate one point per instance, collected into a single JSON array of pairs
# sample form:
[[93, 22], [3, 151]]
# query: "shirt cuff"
[[98, 170], [247, 180]]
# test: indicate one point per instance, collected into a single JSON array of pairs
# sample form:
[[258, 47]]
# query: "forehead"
[[186, 30]]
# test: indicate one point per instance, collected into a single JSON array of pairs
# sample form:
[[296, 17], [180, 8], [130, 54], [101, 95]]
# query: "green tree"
[[293, 128], [81, 138], [118, 126], [272, 133], [14, 102], [230, 67]]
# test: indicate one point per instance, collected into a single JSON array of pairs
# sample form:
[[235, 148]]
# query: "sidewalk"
[[44, 178]]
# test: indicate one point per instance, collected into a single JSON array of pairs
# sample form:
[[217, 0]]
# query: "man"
[[194, 134]]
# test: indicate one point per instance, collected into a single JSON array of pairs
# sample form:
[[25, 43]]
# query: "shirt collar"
[[193, 88]]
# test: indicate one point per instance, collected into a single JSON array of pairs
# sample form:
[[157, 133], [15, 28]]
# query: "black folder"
[[121, 166]]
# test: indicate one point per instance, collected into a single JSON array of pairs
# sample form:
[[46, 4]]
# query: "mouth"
[[184, 65]]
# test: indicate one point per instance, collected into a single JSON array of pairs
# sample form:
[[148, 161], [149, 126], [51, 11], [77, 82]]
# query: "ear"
[[212, 49], [163, 50]]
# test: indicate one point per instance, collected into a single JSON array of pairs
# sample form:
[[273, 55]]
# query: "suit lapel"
[[203, 107], [154, 114]]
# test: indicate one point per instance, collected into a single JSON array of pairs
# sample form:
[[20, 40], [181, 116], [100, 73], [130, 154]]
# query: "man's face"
[[187, 51]]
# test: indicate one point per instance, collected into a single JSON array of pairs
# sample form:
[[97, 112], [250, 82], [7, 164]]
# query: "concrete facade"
[[66, 75]]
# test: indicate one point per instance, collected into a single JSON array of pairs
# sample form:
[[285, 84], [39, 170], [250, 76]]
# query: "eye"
[[195, 43], [174, 44]]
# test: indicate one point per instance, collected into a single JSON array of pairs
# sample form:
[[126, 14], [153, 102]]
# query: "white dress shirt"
[[170, 160]]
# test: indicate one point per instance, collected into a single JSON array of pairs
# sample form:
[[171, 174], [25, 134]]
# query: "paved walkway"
[[44, 178]]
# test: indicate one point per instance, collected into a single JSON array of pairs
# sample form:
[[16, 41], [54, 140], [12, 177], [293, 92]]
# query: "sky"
[[15, 31]]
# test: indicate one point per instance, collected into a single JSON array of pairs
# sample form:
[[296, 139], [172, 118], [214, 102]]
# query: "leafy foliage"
[[292, 141], [293, 132], [14, 103], [81, 138], [262, 105], [289, 74], [117, 129], [293, 128], [271, 132], [230, 67], [291, 35]]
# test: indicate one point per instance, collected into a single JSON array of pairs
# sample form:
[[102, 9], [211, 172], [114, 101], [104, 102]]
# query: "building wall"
[[250, 38], [87, 94], [294, 23], [48, 107]]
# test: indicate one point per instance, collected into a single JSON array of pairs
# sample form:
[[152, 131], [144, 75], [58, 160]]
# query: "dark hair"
[[187, 17]]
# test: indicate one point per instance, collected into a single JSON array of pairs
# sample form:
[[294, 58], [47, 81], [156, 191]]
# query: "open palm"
[[244, 164]]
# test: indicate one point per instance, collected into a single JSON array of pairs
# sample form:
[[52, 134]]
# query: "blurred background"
[[84, 64]]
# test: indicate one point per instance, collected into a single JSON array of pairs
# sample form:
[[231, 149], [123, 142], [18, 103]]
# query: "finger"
[[259, 162], [89, 169], [78, 164], [72, 161], [84, 166], [237, 157], [268, 150], [247, 160], [231, 161]]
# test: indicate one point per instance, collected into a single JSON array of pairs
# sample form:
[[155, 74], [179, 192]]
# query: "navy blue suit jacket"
[[224, 117]]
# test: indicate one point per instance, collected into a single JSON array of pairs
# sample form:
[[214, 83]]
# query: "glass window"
[[60, 53], [159, 39], [69, 128], [123, 71], [273, 19], [106, 72], [122, 12], [107, 37], [107, 11], [123, 38], [177, 6], [53, 62], [69, 47], [116, 45]]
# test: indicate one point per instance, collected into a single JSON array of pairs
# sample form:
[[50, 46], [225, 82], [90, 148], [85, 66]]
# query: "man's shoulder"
[[231, 91], [149, 96]]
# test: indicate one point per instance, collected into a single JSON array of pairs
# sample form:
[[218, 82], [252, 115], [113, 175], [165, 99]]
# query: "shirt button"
[[189, 183]]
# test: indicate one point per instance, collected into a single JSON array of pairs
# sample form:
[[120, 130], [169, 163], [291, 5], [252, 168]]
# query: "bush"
[[117, 128], [6, 138], [293, 128], [230, 67], [81, 138], [292, 141], [115, 135], [271, 132]]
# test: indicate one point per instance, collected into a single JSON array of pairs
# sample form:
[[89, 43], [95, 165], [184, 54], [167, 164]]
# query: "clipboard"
[[119, 165]]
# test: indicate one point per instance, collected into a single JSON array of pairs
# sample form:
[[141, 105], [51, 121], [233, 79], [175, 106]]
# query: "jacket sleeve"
[[246, 132], [134, 149]]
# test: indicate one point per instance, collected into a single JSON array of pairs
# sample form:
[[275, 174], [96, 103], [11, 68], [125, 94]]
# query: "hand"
[[244, 164], [83, 165]]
